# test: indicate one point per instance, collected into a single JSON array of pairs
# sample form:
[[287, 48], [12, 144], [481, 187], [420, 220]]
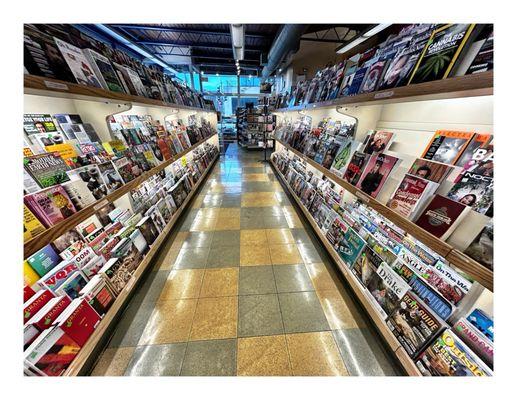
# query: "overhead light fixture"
[[202, 72], [279, 69], [237, 31], [249, 76], [238, 53], [368, 34], [217, 74]]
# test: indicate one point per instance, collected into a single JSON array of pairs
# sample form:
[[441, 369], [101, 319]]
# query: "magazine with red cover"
[[78, 321], [44, 318], [430, 170], [377, 141], [442, 216], [356, 167], [447, 146], [51, 205], [410, 195], [478, 342], [36, 303], [376, 173]]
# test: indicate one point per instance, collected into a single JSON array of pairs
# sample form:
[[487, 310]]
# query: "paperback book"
[[44, 260], [98, 295], [78, 321]]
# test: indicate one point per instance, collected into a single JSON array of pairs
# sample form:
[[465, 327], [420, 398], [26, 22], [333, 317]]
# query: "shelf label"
[[383, 95], [101, 204], [362, 196], [55, 85]]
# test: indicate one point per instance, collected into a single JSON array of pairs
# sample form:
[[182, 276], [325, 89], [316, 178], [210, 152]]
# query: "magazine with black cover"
[[104, 71], [484, 60], [481, 248]]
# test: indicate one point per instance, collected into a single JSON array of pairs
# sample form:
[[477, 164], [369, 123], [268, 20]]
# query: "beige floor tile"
[[293, 221], [182, 284], [263, 356], [315, 354], [167, 261], [255, 255], [234, 212], [113, 361], [169, 322], [208, 212], [215, 318], [320, 276], [179, 239], [279, 236], [203, 224], [340, 311], [198, 202], [253, 236], [219, 282], [254, 178], [285, 254], [258, 199], [228, 224]]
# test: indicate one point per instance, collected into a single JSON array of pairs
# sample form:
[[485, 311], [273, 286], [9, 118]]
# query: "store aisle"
[[242, 288]]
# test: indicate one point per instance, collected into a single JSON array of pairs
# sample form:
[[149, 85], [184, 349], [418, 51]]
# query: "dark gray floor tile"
[[252, 212], [252, 223], [275, 222], [257, 187], [231, 200], [212, 200], [157, 360], [151, 287], [302, 312], [362, 354], [131, 325], [198, 239], [259, 315], [186, 223], [192, 258], [275, 211], [210, 358], [309, 253], [300, 235], [256, 280], [226, 238], [223, 256], [292, 278]]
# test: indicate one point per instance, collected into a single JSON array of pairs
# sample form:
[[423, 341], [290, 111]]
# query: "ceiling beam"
[[309, 39], [229, 59], [185, 30], [199, 45]]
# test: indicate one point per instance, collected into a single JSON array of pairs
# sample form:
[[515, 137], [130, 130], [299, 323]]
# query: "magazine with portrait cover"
[[357, 81], [79, 65], [447, 146], [376, 173], [430, 170], [346, 82], [414, 324], [377, 141], [410, 196], [373, 76], [335, 82], [343, 156], [355, 167], [110, 176], [331, 149], [449, 356], [38, 123], [474, 190], [481, 248], [441, 53]]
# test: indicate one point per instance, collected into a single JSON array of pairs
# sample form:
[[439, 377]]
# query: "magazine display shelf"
[[477, 271], [360, 292], [82, 362], [480, 84], [55, 231], [42, 86]]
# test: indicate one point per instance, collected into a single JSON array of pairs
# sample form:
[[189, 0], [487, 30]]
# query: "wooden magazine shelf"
[[477, 271], [83, 361], [52, 233], [42, 86], [405, 361], [480, 84]]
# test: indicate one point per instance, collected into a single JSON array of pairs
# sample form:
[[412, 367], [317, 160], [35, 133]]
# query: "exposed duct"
[[287, 40]]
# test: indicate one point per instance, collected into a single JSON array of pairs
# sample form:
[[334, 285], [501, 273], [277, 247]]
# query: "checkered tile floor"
[[243, 288]]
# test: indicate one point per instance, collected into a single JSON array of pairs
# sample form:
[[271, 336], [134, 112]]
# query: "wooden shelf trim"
[[360, 292], [477, 271], [42, 86], [457, 87], [85, 355], [55, 231]]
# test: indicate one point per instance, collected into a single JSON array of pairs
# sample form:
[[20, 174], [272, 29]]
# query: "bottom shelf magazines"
[[449, 356]]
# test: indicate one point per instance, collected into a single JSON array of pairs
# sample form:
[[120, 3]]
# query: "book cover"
[[413, 324], [482, 322], [38, 123], [481, 248], [410, 194], [52, 352], [32, 226], [50, 205], [449, 356], [430, 170], [44, 318], [78, 321], [442, 216], [36, 303], [373, 76], [78, 64], [98, 295], [447, 146], [110, 176], [475, 340], [47, 169], [44, 260], [104, 71], [73, 285], [355, 167], [441, 52], [59, 274], [376, 173]]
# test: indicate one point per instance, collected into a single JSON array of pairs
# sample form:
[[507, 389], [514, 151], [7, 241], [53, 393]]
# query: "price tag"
[[101, 204], [362, 196], [183, 161], [383, 95], [55, 85]]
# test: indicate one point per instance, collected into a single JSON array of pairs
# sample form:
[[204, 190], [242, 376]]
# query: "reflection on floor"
[[242, 288]]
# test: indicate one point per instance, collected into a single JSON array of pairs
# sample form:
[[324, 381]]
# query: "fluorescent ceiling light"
[[376, 29], [237, 35], [238, 53]]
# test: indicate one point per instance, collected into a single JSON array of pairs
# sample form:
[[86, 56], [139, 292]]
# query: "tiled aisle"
[[242, 288]]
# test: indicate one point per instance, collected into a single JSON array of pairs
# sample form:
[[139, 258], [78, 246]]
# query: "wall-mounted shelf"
[[477, 271], [82, 362], [405, 361], [52, 233], [461, 86], [37, 85]]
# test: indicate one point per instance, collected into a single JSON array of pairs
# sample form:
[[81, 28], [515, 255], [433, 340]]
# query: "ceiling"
[[208, 47]]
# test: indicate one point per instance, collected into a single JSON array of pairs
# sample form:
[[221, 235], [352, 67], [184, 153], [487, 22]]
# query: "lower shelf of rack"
[[398, 352], [82, 362]]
